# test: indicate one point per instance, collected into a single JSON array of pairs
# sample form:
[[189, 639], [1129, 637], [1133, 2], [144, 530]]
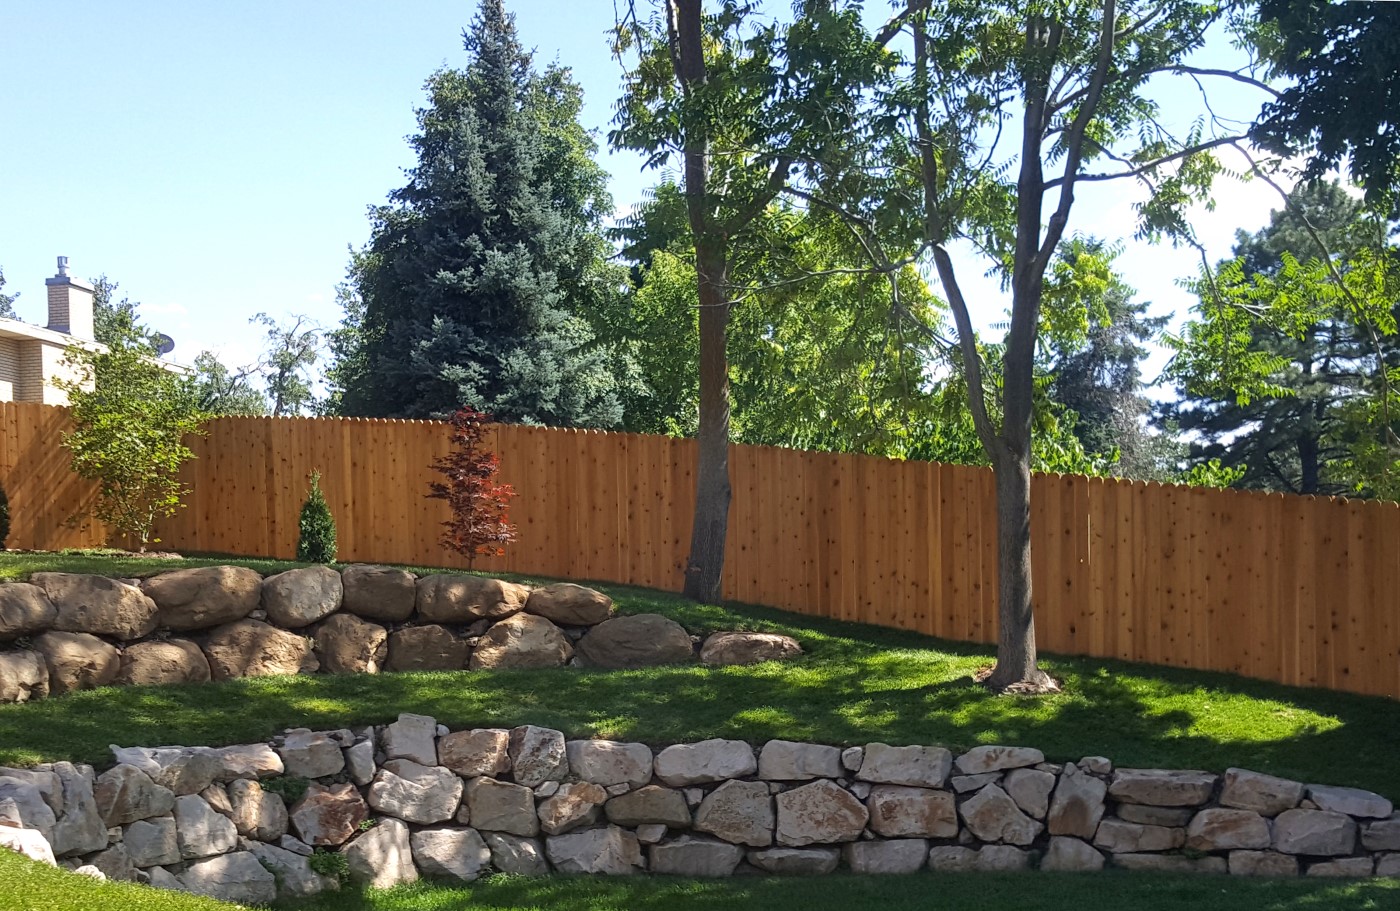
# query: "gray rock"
[[311, 754], [1382, 834], [345, 644], [235, 878], [1077, 804], [651, 805], [1220, 829], [740, 812], [606, 762], [485, 751], [77, 661], [293, 873], [609, 850], [257, 814], [640, 640], [94, 872], [300, 597], [79, 828], [570, 605], [1031, 790], [537, 755], [48, 784], [895, 856], [251, 760], [114, 864], [23, 676], [415, 793], [963, 784], [29, 843], [204, 597], [693, 856], [915, 766], [382, 857], [1171, 817], [1096, 765], [457, 853], [575, 804], [427, 648], [980, 760], [704, 762], [521, 641], [184, 770], [851, 758], [993, 816], [1169, 863], [327, 816], [1161, 787], [499, 806], [897, 811], [738, 648], [24, 610], [952, 859], [1264, 794], [252, 648], [796, 861], [1071, 855], [819, 813], [359, 762], [1262, 863], [650, 833], [378, 592], [200, 831], [1388, 865], [98, 605], [295, 845], [29, 809], [152, 842], [1321, 833], [1351, 801], [785, 760], [463, 599], [161, 878], [411, 737], [1002, 859], [520, 856], [160, 663], [1349, 867], [1118, 837], [125, 794]]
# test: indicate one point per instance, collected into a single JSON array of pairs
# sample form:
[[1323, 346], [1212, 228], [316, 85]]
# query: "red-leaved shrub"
[[480, 525]]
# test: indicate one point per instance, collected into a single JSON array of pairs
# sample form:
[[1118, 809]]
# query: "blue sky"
[[217, 159]]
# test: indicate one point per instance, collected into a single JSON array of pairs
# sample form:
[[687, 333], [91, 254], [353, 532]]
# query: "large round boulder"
[[522, 641], [300, 597], [640, 640], [464, 599], [251, 648], [24, 676], [77, 661], [570, 605], [156, 663], [348, 645], [98, 605], [204, 597], [748, 648], [427, 648], [24, 610], [378, 592]]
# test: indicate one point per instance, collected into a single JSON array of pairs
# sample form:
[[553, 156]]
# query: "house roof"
[[13, 328]]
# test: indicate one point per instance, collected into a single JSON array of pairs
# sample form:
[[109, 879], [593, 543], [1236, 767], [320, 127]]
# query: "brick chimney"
[[70, 303]]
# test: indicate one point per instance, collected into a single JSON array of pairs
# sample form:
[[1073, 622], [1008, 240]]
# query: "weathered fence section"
[[1296, 589]]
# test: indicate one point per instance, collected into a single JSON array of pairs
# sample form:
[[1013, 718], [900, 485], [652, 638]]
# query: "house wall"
[[9, 369], [54, 368]]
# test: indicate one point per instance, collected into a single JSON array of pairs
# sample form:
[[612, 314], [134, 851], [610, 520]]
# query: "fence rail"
[[1301, 590]]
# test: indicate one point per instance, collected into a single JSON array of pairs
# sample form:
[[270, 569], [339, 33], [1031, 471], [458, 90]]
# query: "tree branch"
[[1148, 166], [771, 188]]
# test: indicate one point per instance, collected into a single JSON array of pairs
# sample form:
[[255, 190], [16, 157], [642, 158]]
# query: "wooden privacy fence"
[[1295, 589]]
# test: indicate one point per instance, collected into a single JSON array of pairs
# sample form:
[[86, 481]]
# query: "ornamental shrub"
[[316, 542], [480, 524]]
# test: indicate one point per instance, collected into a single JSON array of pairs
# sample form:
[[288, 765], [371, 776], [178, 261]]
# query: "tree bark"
[[705, 566]]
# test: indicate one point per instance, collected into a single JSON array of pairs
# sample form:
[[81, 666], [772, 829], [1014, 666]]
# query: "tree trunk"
[[705, 566], [1016, 668]]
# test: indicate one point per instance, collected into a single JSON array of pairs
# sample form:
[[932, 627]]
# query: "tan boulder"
[[740, 812], [993, 816], [345, 644], [522, 641], [257, 814], [574, 805], [125, 794], [1322, 833], [819, 813], [157, 663], [23, 676], [463, 599], [485, 751], [1162, 787], [300, 597], [1118, 837], [427, 648], [204, 597], [1264, 794], [98, 605], [1221, 829], [327, 816], [570, 605], [897, 811], [251, 648], [914, 766], [378, 592], [640, 640], [499, 806], [650, 805], [24, 610], [731, 648], [77, 661]]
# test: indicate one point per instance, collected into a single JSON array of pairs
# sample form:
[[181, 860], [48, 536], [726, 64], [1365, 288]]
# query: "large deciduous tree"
[[747, 104], [471, 288]]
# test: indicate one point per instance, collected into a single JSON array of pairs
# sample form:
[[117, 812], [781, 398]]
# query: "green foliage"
[[316, 527], [130, 417], [4, 517], [112, 319], [330, 863], [472, 287], [7, 301], [221, 391], [288, 787], [292, 349], [1212, 473]]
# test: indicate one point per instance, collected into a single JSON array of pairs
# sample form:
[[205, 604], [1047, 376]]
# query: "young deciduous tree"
[[7, 301], [480, 523], [293, 347], [131, 416]]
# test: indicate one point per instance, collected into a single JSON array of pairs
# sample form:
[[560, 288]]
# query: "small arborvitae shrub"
[[330, 863], [316, 542], [4, 517], [480, 524]]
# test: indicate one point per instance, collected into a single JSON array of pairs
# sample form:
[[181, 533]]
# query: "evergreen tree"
[[474, 284], [316, 528]]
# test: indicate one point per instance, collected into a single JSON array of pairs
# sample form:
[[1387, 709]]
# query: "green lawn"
[[856, 684]]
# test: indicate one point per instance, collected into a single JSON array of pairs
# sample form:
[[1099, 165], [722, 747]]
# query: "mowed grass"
[[856, 684], [28, 886]]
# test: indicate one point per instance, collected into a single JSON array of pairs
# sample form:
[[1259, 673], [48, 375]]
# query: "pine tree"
[[316, 538], [474, 283]]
